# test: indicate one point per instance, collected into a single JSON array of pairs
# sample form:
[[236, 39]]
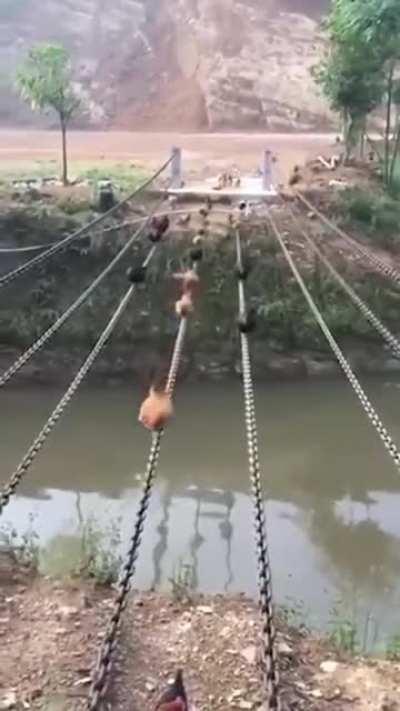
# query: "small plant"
[[344, 630], [393, 649], [24, 549], [182, 583], [99, 562]]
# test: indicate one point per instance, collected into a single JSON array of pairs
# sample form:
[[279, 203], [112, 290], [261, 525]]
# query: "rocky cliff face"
[[189, 64]]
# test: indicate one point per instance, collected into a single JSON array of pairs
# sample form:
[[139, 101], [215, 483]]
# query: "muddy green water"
[[333, 495]]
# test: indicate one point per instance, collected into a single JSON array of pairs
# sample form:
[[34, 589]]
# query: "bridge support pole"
[[267, 171], [176, 167]]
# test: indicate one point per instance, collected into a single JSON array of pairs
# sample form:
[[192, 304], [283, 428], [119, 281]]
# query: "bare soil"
[[204, 153], [50, 633]]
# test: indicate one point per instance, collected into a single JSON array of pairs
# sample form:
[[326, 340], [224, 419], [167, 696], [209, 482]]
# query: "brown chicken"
[[156, 410], [158, 227], [184, 306], [190, 282], [174, 699]]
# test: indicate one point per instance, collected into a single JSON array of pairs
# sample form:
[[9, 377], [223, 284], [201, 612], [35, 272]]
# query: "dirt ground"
[[50, 633], [204, 153]]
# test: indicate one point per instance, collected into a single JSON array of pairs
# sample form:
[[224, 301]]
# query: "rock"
[[205, 609], [150, 686], [242, 704], [85, 681], [66, 612], [316, 693], [284, 648], [249, 654], [8, 701], [329, 667]]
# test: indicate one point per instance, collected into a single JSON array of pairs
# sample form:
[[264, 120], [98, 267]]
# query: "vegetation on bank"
[[359, 75], [285, 324]]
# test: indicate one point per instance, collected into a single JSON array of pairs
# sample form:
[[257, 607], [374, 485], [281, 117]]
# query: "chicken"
[[158, 227], [184, 220], [184, 306], [295, 176], [190, 281], [248, 322], [156, 410], [174, 699]]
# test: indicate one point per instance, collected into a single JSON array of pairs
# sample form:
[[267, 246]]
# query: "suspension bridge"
[[153, 229]]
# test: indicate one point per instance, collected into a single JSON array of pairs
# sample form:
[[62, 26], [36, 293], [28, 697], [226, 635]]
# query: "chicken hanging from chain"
[[156, 410], [174, 698]]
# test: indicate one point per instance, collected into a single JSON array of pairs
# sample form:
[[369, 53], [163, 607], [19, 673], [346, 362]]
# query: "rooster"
[[174, 698], [156, 410], [158, 228]]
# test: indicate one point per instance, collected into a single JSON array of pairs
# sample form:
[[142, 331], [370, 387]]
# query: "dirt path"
[[203, 153], [50, 633]]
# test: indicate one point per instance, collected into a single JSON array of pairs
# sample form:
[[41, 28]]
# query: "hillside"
[[187, 64]]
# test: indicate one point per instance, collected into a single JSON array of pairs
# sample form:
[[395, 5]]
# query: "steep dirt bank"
[[51, 632], [198, 64]]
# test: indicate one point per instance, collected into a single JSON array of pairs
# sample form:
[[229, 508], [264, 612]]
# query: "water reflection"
[[333, 496]]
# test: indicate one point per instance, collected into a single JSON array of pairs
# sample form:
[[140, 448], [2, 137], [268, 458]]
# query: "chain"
[[27, 266], [40, 440], [365, 310], [367, 406], [381, 265], [264, 566], [104, 660], [27, 355]]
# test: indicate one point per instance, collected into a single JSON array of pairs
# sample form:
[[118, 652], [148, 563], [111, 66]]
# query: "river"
[[333, 496]]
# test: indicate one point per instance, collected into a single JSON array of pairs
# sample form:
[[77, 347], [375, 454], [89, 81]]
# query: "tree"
[[361, 69], [44, 81]]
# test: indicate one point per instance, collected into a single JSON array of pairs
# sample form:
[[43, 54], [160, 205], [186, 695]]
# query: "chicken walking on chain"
[[157, 409], [174, 698]]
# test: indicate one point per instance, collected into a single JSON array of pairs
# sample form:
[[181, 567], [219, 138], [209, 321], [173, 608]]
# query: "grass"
[[124, 176], [182, 583], [377, 213]]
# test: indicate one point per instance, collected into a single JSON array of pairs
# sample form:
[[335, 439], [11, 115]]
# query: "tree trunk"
[[64, 151], [388, 123]]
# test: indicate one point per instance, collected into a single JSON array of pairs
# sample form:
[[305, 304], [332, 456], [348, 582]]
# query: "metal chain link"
[[382, 266], [365, 310], [32, 350], [40, 440], [6, 279], [104, 661], [367, 406], [271, 669]]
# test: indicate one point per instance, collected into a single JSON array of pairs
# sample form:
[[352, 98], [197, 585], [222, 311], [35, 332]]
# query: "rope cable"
[[367, 406], [55, 248], [380, 264], [103, 665], [264, 566], [28, 459], [54, 328], [386, 334]]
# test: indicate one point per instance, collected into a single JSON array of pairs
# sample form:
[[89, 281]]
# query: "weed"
[[99, 562], [343, 629], [182, 583], [24, 549], [393, 649]]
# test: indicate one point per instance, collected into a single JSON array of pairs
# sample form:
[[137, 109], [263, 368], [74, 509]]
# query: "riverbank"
[[287, 344], [51, 631]]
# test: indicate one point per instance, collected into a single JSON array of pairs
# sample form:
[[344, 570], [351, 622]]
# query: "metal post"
[[267, 171], [176, 168]]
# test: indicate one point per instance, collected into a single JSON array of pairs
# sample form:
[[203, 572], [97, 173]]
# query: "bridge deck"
[[251, 188]]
